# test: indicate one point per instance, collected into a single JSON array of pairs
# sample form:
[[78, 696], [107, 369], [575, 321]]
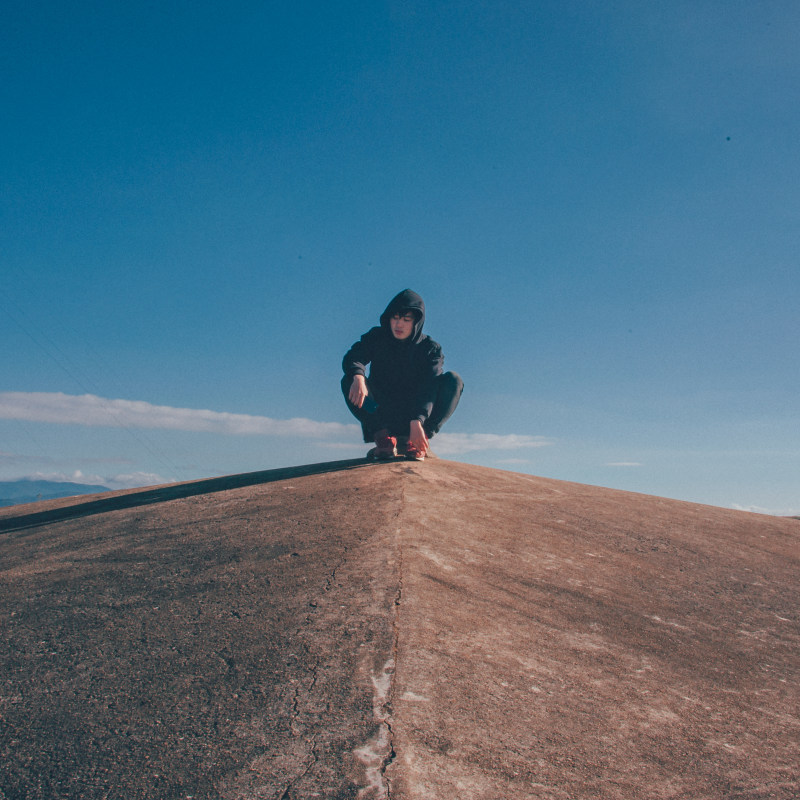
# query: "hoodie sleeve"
[[360, 354], [430, 369]]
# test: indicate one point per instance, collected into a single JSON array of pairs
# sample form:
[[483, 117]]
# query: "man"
[[406, 397]]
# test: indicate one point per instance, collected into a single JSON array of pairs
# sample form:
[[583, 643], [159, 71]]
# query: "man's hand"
[[358, 391], [417, 437]]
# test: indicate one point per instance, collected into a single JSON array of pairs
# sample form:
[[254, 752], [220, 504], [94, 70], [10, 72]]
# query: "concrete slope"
[[564, 641], [220, 644], [405, 630]]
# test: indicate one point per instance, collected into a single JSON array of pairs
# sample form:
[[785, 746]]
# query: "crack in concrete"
[[379, 753], [287, 793], [395, 657], [302, 690], [304, 687]]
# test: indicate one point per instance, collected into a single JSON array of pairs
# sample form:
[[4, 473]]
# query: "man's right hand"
[[358, 391]]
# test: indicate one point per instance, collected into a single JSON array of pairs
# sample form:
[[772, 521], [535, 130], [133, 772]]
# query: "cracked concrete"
[[398, 631], [378, 753], [218, 645], [567, 641]]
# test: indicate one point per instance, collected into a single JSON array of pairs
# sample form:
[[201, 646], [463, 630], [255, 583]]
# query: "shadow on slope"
[[218, 647], [173, 491]]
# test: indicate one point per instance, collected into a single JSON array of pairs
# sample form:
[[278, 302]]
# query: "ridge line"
[[170, 491]]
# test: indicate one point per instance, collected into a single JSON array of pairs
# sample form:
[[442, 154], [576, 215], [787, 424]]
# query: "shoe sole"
[[378, 455]]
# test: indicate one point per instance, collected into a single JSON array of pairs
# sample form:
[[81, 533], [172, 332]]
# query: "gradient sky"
[[204, 204]]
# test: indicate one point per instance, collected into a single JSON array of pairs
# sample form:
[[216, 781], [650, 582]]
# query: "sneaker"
[[385, 446], [412, 454]]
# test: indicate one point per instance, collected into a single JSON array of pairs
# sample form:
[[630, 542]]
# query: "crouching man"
[[406, 398]]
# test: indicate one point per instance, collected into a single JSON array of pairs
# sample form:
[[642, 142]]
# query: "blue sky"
[[203, 205]]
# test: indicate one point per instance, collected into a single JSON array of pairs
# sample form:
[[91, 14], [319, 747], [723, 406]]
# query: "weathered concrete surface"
[[221, 645], [564, 641], [399, 630]]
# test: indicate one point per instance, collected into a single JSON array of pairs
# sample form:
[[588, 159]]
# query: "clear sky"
[[204, 204]]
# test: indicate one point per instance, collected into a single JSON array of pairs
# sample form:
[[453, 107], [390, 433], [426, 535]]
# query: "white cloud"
[[785, 512], [94, 411], [131, 480], [448, 444], [356, 445], [77, 476]]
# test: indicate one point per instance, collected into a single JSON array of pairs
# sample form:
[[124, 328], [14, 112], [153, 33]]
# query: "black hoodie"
[[402, 371]]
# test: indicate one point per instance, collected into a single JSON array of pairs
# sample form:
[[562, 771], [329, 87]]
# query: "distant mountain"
[[14, 493]]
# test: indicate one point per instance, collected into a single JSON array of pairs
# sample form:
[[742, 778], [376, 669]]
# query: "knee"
[[452, 381]]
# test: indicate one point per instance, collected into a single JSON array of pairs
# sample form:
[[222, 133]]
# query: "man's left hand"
[[417, 437]]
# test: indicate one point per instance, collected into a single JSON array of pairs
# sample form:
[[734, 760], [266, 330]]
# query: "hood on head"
[[405, 301]]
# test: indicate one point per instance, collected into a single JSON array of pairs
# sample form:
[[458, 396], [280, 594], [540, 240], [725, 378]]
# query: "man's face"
[[402, 325]]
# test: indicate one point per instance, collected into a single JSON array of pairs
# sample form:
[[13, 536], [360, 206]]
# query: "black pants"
[[375, 417]]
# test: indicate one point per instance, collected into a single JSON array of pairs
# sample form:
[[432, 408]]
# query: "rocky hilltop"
[[402, 630]]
